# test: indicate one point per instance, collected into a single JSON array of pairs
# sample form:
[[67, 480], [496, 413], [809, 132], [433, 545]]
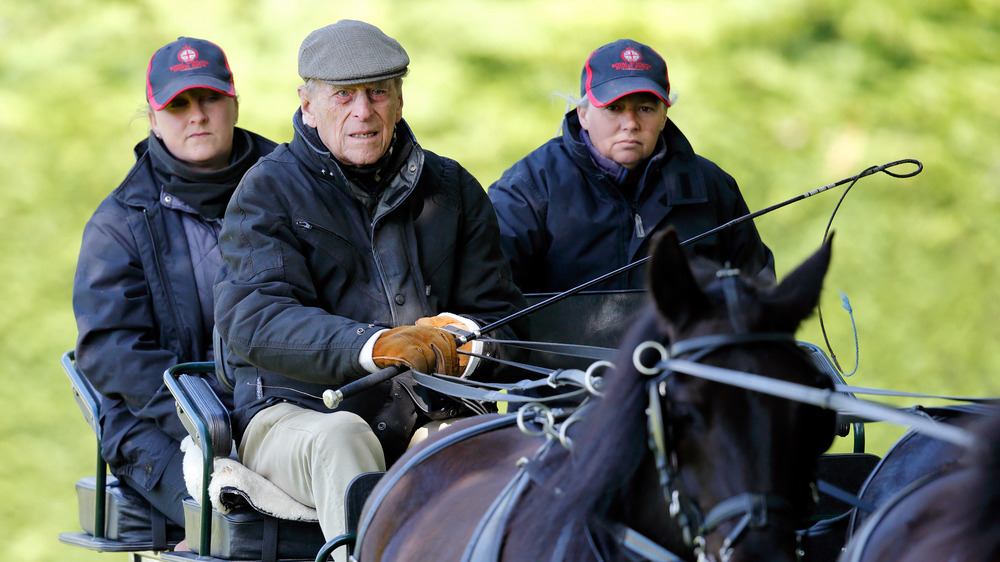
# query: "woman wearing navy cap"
[[142, 294], [589, 201]]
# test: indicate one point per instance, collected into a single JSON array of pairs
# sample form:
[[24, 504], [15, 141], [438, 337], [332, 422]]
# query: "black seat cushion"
[[128, 516], [246, 534]]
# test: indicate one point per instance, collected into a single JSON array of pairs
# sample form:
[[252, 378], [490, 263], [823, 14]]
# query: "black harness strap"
[[458, 388], [571, 349], [844, 496], [636, 546]]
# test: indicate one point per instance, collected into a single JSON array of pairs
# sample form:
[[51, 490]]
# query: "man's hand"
[[441, 321], [422, 348]]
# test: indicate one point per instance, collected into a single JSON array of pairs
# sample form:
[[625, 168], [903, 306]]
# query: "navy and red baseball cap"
[[622, 68], [184, 64]]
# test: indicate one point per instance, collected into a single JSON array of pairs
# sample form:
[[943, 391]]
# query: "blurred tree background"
[[786, 95]]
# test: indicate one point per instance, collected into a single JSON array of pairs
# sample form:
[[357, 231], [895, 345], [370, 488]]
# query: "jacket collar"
[[310, 150], [677, 151], [140, 187]]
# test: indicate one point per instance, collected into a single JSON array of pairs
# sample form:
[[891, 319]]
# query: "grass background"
[[786, 95]]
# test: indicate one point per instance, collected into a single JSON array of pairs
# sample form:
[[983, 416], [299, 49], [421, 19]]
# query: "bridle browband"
[[754, 510]]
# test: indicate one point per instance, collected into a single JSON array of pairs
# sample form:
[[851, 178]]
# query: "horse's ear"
[[670, 280], [794, 299]]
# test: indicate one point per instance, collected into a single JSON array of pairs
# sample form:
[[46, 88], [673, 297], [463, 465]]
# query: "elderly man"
[[346, 251], [590, 201]]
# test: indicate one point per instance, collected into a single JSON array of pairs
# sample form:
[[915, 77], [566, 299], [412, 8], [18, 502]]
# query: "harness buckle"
[[757, 510], [675, 503], [727, 272]]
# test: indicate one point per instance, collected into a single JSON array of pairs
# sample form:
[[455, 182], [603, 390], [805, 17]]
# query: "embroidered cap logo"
[[187, 54], [633, 61], [189, 60]]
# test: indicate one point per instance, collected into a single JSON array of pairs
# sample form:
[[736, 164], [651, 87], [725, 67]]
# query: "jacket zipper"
[[306, 225], [390, 299], [179, 326], [640, 231], [381, 275]]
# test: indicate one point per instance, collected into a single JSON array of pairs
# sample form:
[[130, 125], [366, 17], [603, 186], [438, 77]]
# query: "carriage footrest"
[[88, 541], [246, 534], [129, 520]]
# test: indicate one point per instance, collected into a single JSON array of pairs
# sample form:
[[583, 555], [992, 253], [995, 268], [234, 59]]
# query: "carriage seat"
[[114, 518], [250, 518], [596, 318]]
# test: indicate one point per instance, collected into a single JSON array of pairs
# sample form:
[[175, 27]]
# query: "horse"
[[951, 512], [915, 456], [648, 457]]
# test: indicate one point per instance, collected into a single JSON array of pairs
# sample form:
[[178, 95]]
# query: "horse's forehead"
[[734, 295], [714, 284]]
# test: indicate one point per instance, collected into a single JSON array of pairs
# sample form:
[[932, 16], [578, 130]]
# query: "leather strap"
[[456, 389], [844, 496], [571, 349]]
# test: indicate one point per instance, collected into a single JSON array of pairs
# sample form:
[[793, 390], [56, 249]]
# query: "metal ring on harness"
[[637, 357], [564, 439], [589, 381], [535, 408]]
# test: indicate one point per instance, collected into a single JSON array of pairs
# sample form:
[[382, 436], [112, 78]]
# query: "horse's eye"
[[684, 415]]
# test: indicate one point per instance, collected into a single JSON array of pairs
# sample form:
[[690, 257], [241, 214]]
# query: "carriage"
[[229, 522], [115, 519]]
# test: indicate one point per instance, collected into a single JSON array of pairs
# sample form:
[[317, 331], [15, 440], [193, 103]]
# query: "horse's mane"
[[610, 443]]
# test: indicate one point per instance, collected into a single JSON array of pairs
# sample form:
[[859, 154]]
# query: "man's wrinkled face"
[[626, 129], [354, 122]]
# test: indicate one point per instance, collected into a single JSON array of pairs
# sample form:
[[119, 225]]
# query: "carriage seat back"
[[86, 396], [237, 531], [114, 518], [596, 318]]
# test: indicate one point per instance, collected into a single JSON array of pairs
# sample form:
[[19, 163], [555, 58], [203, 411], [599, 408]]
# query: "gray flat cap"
[[351, 52]]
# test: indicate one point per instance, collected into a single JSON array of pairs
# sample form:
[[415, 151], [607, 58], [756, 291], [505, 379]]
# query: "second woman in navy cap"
[[589, 201]]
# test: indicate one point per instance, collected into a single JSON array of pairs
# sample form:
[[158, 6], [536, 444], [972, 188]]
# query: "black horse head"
[[735, 464], [724, 445]]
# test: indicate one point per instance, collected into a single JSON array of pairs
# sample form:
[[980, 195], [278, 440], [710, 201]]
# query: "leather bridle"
[[754, 510]]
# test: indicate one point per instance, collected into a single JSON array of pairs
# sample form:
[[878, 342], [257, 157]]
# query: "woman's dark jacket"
[[138, 311], [310, 273], [563, 221]]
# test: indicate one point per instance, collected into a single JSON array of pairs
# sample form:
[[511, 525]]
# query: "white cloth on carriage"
[[234, 485]]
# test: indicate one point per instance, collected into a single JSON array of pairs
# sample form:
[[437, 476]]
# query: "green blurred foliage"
[[786, 95]]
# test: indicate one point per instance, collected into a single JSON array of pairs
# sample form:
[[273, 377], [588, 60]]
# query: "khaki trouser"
[[313, 456]]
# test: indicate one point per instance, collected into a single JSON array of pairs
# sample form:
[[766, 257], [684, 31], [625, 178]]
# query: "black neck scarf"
[[206, 192]]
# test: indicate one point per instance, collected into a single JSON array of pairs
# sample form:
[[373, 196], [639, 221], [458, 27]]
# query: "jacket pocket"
[[338, 266]]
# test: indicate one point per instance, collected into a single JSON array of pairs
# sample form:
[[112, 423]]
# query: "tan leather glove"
[[441, 321], [421, 348]]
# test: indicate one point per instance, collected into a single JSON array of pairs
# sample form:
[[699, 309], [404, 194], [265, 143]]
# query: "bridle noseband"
[[755, 510]]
